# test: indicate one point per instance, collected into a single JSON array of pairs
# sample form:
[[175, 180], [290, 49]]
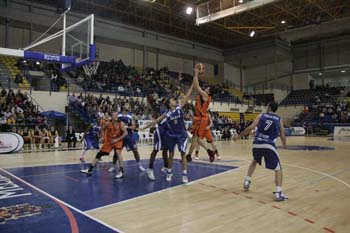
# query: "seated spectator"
[[7, 113], [30, 121], [3, 120], [46, 136], [27, 137], [14, 129], [37, 137], [70, 137], [45, 123], [309, 129], [226, 134], [54, 137], [20, 120], [11, 120]]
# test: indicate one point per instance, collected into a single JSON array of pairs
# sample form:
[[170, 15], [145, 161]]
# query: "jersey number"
[[268, 124]]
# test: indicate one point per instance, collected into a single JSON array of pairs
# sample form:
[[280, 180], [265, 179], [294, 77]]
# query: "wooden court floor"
[[317, 183]]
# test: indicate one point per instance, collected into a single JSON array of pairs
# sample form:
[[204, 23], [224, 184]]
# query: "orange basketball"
[[200, 67]]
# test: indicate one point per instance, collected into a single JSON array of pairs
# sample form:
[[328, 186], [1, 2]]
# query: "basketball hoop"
[[91, 68]]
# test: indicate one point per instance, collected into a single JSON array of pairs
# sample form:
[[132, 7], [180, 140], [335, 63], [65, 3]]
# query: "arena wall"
[[58, 101]]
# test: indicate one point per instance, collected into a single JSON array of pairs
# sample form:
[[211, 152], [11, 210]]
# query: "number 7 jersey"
[[268, 129]]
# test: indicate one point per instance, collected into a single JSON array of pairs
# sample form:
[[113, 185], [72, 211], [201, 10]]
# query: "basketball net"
[[91, 68]]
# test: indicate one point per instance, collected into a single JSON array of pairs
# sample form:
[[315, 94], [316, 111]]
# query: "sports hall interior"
[[292, 52]]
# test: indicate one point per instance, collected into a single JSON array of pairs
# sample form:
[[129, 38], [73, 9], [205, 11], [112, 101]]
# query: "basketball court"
[[50, 189], [44, 191]]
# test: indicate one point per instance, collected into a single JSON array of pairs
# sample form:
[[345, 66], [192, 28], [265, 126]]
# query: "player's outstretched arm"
[[282, 134], [196, 83], [154, 122], [186, 97], [248, 129]]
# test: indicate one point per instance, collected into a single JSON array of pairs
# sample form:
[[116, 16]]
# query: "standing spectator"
[[70, 137]]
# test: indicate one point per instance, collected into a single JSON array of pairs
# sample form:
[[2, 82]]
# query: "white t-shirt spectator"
[[7, 114], [121, 89], [17, 110], [3, 120]]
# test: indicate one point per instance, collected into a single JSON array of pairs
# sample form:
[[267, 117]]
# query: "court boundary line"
[[60, 201], [319, 172], [163, 190], [314, 171]]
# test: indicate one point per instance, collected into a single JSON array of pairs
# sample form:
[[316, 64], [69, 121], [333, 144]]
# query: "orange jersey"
[[201, 106], [113, 131], [103, 122]]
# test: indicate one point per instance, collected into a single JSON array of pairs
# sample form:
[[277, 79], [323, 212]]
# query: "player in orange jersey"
[[114, 132], [201, 118]]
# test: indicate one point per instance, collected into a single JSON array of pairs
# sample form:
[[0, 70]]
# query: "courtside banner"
[[8, 142], [294, 131], [341, 131], [20, 142]]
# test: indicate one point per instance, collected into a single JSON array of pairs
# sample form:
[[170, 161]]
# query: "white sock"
[[83, 154], [278, 189], [184, 172], [248, 178]]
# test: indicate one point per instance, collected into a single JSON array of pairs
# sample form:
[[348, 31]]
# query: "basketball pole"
[[64, 32]]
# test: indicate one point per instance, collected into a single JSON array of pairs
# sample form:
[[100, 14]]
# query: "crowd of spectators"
[[116, 77], [19, 115], [51, 71], [93, 108], [328, 108]]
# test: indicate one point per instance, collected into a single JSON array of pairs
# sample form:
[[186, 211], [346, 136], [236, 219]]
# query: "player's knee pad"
[[100, 154]]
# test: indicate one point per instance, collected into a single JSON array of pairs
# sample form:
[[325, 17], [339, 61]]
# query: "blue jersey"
[[175, 122], [268, 129], [127, 120], [163, 126], [93, 132]]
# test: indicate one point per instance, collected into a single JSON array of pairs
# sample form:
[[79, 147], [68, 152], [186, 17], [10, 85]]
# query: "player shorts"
[[179, 140], [270, 155], [91, 143], [199, 128], [196, 121], [130, 142], [208, 136], [107, 147], [160, 140]]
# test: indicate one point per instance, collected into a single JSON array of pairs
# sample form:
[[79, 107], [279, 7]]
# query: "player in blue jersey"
[[91, 140], [269, 128], [159, 143], [129, 141], [176, 133]]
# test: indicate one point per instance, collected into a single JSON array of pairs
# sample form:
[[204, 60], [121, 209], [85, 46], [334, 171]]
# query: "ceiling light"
[[189, 10], [252, 33], [342, 71], [240, 1], [283, 22]]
